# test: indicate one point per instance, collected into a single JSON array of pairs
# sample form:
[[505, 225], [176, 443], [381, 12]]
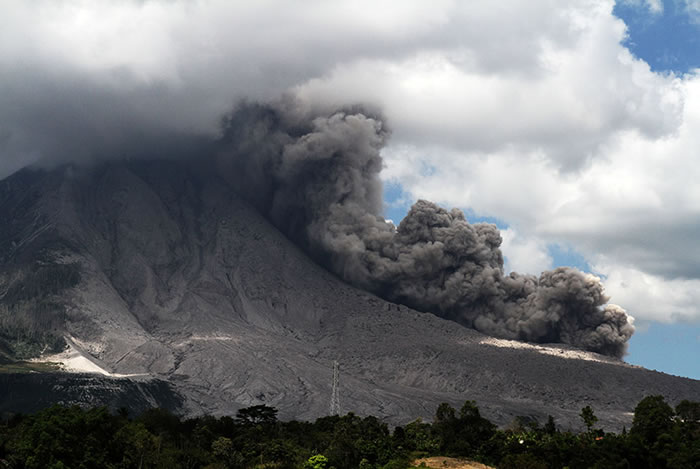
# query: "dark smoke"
[[317, 178]]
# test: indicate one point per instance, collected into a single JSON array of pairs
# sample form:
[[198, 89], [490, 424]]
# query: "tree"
[[521, 461], [688, 412], [419, 437], [139, 447], [588, 417], [652, 418], [317, 461], [257, 415], [444, 414], [445, 426], [688, 421], [550, 427], [473, 430], [469, 411], [222, 449]]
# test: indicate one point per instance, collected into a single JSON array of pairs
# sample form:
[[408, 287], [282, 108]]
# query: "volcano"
[[159, 270]]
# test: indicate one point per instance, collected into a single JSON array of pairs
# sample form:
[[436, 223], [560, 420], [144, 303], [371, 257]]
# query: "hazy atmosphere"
[[566, 124]]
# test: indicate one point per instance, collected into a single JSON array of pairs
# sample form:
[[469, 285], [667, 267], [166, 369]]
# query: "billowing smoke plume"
[[317, 178]]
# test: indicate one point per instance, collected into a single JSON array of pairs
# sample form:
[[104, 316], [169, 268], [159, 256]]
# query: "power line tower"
[[335, 397]]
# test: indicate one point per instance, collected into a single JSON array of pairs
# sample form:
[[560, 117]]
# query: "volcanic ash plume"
[[317, 178]]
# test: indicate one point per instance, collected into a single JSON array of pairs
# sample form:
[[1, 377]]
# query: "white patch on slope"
[[208, 338], [73, 360], [550, 350]]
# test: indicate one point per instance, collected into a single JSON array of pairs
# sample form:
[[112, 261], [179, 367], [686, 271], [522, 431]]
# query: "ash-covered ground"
[[181, 280]]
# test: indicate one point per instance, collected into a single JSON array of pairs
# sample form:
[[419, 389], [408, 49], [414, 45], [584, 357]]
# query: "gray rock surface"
[[182, 281], [31, 392]]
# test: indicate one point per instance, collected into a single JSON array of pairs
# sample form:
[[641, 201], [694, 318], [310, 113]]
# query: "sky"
[[573, 125]]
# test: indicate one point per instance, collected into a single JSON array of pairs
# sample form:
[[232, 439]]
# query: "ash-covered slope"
[[316, 176], [31, 392], [159, 268]]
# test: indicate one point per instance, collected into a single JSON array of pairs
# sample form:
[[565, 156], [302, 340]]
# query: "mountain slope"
[[159, 268]]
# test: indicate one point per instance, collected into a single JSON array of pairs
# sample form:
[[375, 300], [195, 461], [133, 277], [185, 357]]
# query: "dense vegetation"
[[62, 437]]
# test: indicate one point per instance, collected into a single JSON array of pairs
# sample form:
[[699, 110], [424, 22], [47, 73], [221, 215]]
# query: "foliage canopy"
[[71, 437]]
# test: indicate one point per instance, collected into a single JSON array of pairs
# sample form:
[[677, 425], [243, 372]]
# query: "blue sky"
[[669, 41], [672, 348]]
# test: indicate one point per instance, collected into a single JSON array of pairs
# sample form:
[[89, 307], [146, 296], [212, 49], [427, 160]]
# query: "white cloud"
[[587, 86], [651, 297], [654, 6], [78, 75], [632, 207], [633, 210], [524, 255], [692, 8], [527, 110]]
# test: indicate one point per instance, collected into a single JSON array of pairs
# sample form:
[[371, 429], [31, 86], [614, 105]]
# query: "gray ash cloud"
[[316, 177]]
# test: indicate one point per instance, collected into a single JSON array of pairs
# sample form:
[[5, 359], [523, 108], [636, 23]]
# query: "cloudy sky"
[[574, 125]]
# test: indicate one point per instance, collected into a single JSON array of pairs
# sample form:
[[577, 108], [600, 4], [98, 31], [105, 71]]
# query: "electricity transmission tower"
[[335, 398]]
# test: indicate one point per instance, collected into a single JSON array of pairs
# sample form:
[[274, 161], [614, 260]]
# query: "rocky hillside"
[[158, 268], [30, 392]]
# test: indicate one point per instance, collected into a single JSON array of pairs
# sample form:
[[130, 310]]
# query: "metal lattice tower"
[[335, 397]]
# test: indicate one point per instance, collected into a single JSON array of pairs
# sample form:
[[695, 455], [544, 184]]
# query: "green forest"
[[71, 437]]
